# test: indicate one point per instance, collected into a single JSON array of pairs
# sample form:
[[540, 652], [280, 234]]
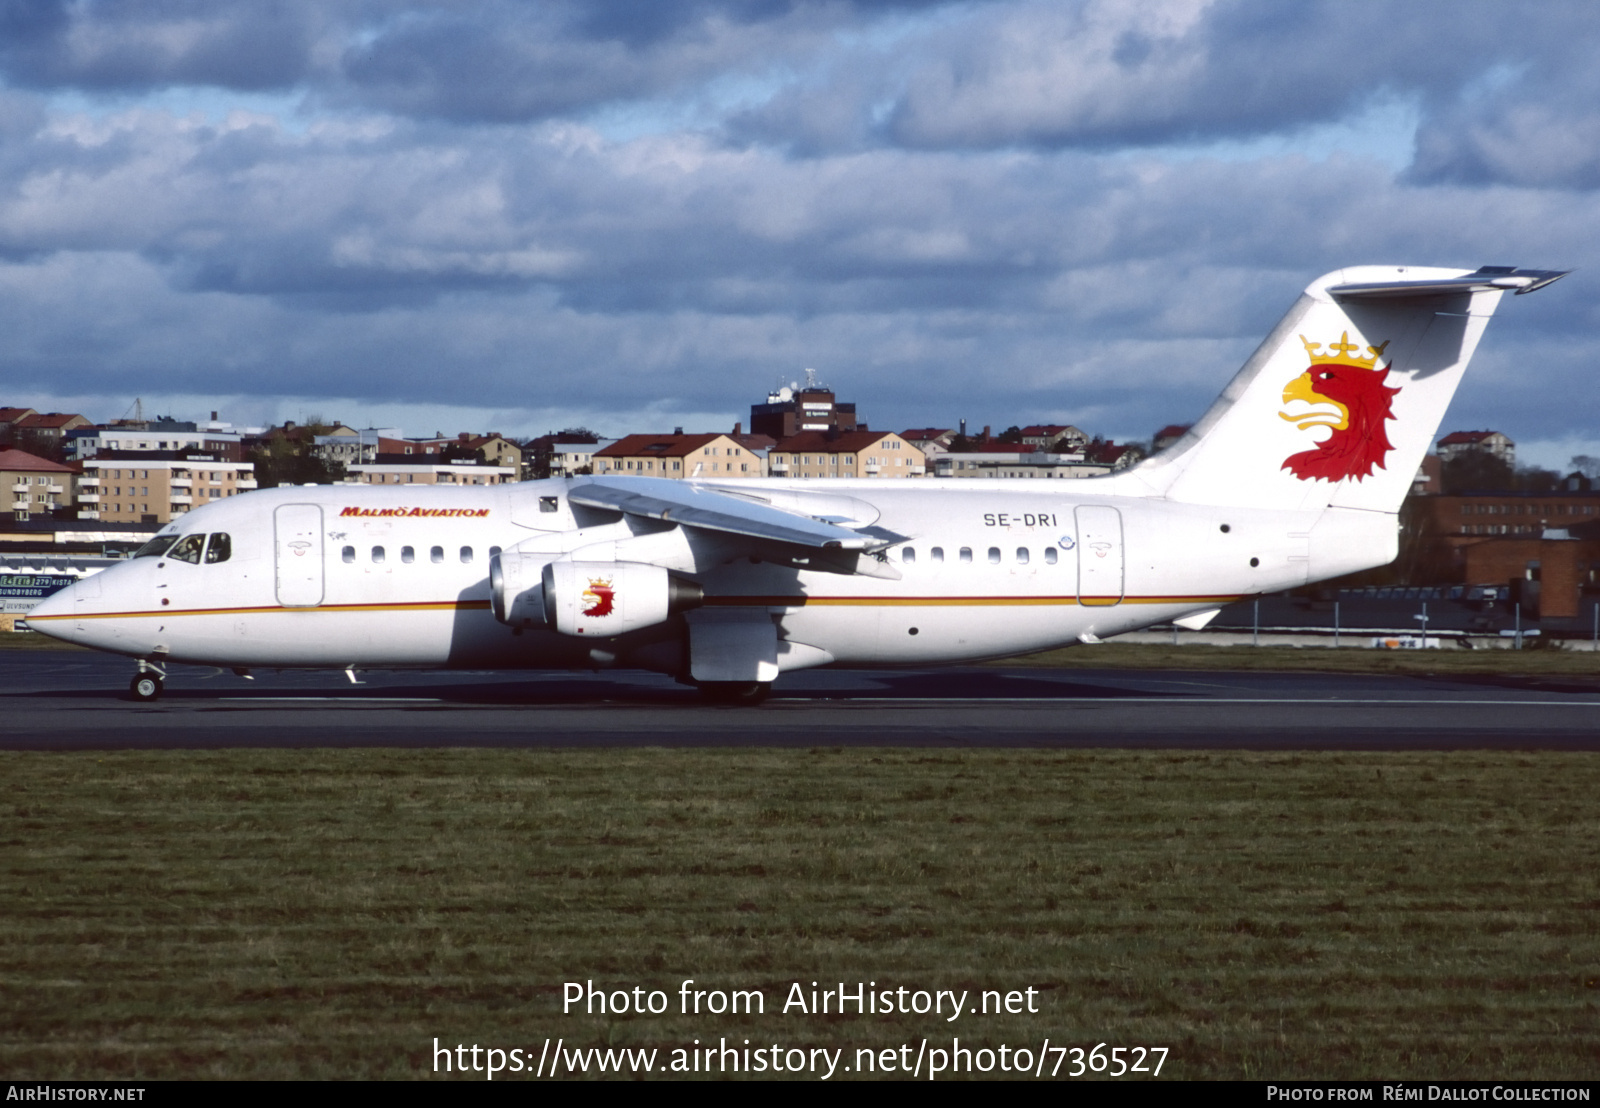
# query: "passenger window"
[[994, 555], [466, 555], [908, 555], [966, 554], [408, 554], [219, 549], [494, 552], [1022, 555], [188, 549], [348, 554], [1050, 555], [936, 554], [156, 546], [377, 555], [436, 555]]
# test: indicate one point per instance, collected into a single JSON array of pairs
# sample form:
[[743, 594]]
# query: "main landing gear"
[[148, 684], [740, 693]]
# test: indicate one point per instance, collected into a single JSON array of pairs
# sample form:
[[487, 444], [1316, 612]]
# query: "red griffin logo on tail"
[[598, 595], [1348, 394]]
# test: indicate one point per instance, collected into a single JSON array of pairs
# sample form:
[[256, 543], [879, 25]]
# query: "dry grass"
[[326, 914]]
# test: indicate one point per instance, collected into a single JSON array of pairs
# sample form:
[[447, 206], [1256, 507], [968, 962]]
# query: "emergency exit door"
[[1099, 556], [297, 538]]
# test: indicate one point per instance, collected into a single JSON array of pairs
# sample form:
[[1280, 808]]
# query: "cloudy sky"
[[520, 216]]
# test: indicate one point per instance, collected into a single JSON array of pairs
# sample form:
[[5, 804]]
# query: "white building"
[[421, 472], [1032, 464]]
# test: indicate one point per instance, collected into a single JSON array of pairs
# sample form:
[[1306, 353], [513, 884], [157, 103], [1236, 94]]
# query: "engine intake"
[[516, 587]]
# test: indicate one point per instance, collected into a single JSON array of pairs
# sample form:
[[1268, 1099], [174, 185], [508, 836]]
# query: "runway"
[[70, 700]]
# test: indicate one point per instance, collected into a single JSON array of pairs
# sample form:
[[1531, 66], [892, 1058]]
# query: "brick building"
[[1549, 574], [1473, 517], [795, 409]]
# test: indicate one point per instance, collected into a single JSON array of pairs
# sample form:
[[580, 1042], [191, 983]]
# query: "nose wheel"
[[145, 687], [147, 684]]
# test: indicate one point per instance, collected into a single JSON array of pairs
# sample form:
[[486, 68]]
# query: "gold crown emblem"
[[1343, 352], [599, 582]]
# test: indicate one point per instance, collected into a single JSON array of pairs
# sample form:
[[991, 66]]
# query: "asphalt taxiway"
[[74, 700]]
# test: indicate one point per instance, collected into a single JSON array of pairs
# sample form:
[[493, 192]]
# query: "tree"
[[1011, 434], [286, 458], [1535, 479], [1476, 470]]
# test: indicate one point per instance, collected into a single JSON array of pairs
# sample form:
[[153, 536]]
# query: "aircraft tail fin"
[[1340, 403]]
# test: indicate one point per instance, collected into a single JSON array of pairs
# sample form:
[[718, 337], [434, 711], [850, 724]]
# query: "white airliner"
[[1295, 474]]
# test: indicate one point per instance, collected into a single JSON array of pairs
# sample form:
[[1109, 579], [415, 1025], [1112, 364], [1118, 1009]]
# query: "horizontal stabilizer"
[[1490, 278], [693, 506]]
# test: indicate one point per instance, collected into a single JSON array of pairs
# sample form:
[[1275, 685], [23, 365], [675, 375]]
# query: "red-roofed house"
[[33, 485], [679, 455], [1057, 438], [1168, 435], [8, 422], [44, 433], [1489, 442]]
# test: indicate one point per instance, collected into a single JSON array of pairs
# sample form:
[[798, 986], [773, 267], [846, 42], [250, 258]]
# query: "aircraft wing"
[[694, 506]]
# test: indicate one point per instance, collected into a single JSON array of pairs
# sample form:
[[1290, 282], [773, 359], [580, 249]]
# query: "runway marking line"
[[925, 701]]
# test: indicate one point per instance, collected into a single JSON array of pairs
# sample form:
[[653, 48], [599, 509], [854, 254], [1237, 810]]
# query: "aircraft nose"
[[53, 614]]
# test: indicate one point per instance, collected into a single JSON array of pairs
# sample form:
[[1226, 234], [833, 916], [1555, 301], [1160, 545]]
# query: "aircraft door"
[[297, 531], [1099, 556]]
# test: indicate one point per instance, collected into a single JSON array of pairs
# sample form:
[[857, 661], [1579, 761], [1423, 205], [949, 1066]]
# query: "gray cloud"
[[951, 210]]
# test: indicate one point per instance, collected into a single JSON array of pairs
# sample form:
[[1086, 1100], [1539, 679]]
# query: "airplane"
[[1295, 474]]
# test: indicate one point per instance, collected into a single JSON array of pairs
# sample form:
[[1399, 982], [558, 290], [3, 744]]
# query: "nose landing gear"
[[147, 684]]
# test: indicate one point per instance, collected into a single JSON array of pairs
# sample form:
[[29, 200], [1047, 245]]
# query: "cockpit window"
[[188, 549], [156, 546], [219, 549]]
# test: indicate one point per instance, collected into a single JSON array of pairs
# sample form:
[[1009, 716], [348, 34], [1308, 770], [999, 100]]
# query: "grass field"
[[1543, 661], [328, 913]]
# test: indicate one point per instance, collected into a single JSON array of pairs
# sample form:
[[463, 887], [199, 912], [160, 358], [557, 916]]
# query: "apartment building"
[[172, 435], [1487, 442], [1027, 462], [679, 455], [34, 485], [157, 486], [847, 454], [429, 469]]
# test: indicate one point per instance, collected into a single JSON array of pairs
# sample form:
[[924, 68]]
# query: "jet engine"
[[610, 598]]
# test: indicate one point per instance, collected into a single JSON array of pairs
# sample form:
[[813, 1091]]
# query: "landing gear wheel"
[[735, 692], [146, 687]]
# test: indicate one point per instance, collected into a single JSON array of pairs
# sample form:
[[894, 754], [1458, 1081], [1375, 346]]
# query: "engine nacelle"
[[611, 598], [516, 587]]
